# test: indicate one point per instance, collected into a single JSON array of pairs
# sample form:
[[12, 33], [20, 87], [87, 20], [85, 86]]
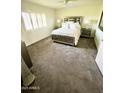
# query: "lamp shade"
[[58, 20], [86, 20]]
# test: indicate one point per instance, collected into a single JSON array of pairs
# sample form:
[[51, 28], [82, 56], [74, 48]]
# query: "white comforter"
[[68, 32]]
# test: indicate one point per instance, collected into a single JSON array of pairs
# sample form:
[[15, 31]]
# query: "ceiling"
[[56, 4]]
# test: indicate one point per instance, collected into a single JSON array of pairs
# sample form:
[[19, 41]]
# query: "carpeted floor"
[[61, 68]]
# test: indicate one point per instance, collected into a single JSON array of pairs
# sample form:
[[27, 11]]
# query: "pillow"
[[65, 25], [70, 22], [72, 26], [77, 25]]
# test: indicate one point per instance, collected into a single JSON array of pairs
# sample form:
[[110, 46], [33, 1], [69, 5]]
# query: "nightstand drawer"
[[85, 32]]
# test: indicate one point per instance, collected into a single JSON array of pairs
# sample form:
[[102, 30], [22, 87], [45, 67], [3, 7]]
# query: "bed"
[[70, 31]]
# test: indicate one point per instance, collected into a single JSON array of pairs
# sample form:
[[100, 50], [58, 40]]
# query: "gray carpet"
[[61, 68]]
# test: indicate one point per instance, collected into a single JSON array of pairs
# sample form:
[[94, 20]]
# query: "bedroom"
[[61, 46]]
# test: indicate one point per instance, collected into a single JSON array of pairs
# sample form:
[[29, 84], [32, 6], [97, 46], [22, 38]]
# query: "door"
[[99, 57]]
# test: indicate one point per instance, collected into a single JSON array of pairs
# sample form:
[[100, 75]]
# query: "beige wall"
[[92, 10], [33, 36]]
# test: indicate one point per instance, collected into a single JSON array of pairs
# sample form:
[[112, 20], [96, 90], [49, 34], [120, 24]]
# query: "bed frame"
[[67, 39], [64, 39], [74, 19]]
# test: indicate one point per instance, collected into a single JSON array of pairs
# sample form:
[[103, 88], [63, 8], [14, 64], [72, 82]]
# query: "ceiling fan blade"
[[66, 1], [63, 1]]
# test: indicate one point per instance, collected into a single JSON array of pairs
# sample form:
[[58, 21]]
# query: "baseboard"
[[39, 41]]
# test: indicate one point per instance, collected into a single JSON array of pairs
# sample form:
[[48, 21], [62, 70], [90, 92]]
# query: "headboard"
[[74, 19]]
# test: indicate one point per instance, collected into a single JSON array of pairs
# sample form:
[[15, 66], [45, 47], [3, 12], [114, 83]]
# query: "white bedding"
[[73, 32]]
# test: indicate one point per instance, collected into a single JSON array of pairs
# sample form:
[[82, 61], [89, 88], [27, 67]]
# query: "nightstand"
[[86, 32]]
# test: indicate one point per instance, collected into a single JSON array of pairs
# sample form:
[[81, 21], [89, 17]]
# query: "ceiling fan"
[[67, 1]]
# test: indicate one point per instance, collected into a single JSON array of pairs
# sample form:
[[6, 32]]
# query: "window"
[[27, 21], [34, 20], [39, 20], [44, 20]]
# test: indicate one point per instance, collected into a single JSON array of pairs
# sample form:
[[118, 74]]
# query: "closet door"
[[25, 54], [99, 57]]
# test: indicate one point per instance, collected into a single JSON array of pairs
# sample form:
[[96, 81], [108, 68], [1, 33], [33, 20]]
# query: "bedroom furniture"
[[67, 35], [70, 31], [25, 54], [85, 32], [88, 26], [64, 39], [74, 19]]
